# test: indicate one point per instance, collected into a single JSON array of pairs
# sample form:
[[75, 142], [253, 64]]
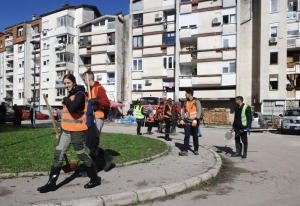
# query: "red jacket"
[[99, 92]]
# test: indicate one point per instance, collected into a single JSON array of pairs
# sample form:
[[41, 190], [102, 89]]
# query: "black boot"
[[238, 150], [107, 158], [51, 184], [245, 151], [95, 180]]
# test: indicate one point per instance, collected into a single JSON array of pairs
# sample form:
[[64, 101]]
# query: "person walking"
[[18, 115], [101, 104], [73, 132], [139, 115], [150, 121], [2, 113], [242, 121], [175, 116], [110, 114], [130, 112], [191, 113], [167, 118], [201, 118]]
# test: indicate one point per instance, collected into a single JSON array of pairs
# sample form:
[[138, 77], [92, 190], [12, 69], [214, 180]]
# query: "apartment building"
[[59, 43], [153, 50], [101, 50]]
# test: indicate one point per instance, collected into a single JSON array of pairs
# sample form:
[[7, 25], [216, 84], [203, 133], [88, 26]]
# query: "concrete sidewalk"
[[155, 174]]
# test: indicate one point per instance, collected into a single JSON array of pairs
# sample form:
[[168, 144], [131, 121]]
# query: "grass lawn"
[[24, 149]]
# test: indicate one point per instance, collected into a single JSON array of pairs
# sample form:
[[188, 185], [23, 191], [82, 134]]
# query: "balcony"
[[8, 83], [37, 70], [291, 94], [60, 47], [37, 81], [9, 42], [186, 57], [229, 28], [291, 15], [9, 87], [9, 72], [9, 58]]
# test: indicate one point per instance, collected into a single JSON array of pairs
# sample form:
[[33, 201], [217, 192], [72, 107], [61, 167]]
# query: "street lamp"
[[36, 45]]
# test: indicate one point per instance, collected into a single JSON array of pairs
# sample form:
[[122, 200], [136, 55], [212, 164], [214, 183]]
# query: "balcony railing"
[[9, 42], [291, 15]]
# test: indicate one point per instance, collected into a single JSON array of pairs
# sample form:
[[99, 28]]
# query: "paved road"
[[269, 176]]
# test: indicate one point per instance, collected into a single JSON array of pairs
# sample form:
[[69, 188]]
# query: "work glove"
[[248, 130], [94, 101], [232, 128], [194, 123]]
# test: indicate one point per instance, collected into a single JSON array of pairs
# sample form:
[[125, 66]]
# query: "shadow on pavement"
[[180, 146], [226, 150], [68, 180]]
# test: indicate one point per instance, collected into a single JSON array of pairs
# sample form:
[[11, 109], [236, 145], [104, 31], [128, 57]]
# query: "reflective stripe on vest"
[[190, 109], [138, 112], [98, 113], [73, 122], [243, 115], [150, 118], [168, 112]]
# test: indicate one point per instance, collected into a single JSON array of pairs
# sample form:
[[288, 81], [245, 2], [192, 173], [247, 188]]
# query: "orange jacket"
[[190, 109], [99, 92], [74, 122]]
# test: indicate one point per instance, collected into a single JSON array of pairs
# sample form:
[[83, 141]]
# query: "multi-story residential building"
[[101, 50], [152, 41], [59, 43], [1, 67]]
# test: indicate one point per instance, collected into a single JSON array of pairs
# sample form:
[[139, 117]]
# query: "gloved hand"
[[232, 128], [182, 122], [194, 123], [94, 101], [248, 130]]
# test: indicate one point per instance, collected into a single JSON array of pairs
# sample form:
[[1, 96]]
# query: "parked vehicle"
[[39, 115], [291, 121], [258, 121]]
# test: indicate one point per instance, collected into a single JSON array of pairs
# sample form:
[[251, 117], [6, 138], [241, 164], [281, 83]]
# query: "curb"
[[125, 164], [150, 193]]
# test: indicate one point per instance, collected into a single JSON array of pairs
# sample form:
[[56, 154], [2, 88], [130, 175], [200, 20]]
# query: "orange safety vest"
[[99, 114], [74, 122], [190, 109], [168, 112], [150, 118]]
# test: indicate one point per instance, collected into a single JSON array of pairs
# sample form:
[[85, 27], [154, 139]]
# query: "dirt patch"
[[142, 184], [198, 197], [4, 191]]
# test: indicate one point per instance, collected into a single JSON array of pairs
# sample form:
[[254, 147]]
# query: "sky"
[[17, 11]]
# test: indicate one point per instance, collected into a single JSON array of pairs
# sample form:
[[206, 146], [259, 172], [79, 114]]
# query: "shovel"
[[68, 167]]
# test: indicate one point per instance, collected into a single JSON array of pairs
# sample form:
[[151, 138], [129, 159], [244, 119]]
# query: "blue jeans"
[[199, 131], [189, 130], [110, 117]]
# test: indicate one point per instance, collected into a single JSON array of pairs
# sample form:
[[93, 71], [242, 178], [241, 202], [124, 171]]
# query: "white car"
[[291, 121]]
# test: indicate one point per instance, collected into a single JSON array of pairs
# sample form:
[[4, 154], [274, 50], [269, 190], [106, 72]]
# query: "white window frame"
[[137, 63], [21, 78], [45, 91], [20, 31], [35, 32], [189, 21], [46, 44], [226, 64], [20, 48], [231, 40], [45, 25], [137, 41], [136, 84], [20, 94], [273, 79], [46, 60], [295, 29], [61, 91], [168, 62], [273, 25], [21, 62], [277, 9], [45, 77], [65, 21]]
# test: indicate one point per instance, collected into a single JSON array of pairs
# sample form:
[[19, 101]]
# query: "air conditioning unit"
[[148, 81], [216, 21], [45, 31], [273, 40], [159, 15]]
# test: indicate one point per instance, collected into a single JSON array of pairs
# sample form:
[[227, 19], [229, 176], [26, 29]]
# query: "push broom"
[[68, 167]]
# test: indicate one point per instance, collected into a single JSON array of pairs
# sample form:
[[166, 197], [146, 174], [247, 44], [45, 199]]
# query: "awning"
[[116, 104]]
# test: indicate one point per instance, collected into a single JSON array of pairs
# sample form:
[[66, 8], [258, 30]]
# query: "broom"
[[68, 167]]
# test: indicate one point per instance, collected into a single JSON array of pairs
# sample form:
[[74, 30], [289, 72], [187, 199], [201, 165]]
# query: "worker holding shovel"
[[242, 121], [73, 124]]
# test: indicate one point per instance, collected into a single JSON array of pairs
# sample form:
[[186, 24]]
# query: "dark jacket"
[[78, 103], [237, 123], [167, 109]]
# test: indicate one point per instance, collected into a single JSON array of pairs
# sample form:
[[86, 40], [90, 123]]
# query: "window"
[[111, 77], [137, 19], [274, 30], [85, 40], [63, 57], [229, 19], [45, 92], [21, 95], [46, 44], [137, 5], [229, 67], [137, 41], [273, 82], [229, 41], [111, 38], [274, 58], [169, 38], [70, 39], [60, 92], [20, 31], [65, 21], [21, 48], [274, 6], [188, 20], [185, 0], [45, 77], [169, 62], [45, 60], [137, 64], [293, 5], [293, 29], [21, 78], [21, 63], [35, 30], [136, 85], [87, 60], [45, 25], [87, 28]]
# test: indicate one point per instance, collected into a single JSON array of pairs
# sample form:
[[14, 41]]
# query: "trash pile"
[[126, 120]]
